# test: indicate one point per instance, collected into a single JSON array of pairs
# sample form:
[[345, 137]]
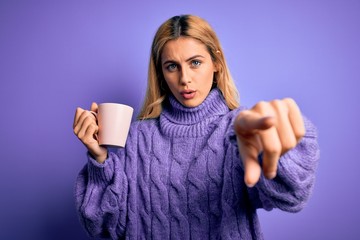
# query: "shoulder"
[[139, 133], [147, 125]]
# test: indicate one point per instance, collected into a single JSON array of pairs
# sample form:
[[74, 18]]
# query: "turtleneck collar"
[[178, 120]]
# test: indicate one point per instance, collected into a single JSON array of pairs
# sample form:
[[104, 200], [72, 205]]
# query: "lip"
[[188, 94]]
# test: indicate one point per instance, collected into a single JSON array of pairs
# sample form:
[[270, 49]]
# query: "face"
[[188, 70]]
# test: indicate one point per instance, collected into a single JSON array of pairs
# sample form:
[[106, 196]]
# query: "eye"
[[171, 67], [195, 63]]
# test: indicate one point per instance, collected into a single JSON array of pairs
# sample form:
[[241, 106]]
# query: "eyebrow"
[[187, 60]]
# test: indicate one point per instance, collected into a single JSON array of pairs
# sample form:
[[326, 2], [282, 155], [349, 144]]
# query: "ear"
[[216, 62], [216, 67]]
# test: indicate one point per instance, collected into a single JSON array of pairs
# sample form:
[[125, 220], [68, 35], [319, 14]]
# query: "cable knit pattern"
[[181, 177]]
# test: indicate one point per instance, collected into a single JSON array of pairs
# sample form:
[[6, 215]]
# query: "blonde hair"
[[185, 26]]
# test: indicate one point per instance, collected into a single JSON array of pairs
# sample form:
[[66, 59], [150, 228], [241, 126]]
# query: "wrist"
[[100, 156], [101, 159]]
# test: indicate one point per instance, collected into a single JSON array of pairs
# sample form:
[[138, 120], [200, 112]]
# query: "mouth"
[[188, 94]]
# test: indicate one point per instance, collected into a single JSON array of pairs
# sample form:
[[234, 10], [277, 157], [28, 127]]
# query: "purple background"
[[60, 55]]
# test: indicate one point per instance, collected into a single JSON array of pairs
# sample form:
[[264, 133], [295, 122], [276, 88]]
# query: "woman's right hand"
[[86, 129]]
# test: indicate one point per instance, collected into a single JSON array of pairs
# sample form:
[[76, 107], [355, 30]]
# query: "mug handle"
[[95, 115]]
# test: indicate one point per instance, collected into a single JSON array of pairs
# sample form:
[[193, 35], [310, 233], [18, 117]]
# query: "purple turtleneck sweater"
[[180, 176]]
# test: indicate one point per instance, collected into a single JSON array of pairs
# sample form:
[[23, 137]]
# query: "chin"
[[190, 104]]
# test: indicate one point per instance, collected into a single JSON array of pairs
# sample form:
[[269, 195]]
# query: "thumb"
[[252, 169], [94, 107], [250, 122]]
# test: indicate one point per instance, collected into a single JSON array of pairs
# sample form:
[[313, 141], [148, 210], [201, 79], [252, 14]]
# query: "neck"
[[193, 121]]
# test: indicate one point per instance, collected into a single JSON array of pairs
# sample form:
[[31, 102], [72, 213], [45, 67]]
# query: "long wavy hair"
[[174, 28]]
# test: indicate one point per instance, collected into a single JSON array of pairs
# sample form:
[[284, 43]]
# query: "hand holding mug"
[[105, 124], [86, 129]]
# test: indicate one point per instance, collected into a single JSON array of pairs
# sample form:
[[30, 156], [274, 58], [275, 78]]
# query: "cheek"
[[169, 81], [166, 78], [209, 78]]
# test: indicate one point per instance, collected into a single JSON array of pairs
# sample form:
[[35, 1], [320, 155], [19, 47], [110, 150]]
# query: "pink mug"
[[114, 121]]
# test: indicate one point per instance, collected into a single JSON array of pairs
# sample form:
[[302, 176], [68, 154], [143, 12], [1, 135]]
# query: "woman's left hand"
[[271, 128]]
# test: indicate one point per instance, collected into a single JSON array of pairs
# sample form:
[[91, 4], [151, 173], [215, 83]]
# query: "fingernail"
[[250, 185], [271, 175]]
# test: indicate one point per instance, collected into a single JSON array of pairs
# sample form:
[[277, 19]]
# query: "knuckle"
[[274, 149], [93, 127], [289, 102], [80, 135], [89, 119], [289, 144], [300, 133], [79, 111], [261, 106], [242, 115], [276, 102], [86, 141], [87, 113], [278, 105]]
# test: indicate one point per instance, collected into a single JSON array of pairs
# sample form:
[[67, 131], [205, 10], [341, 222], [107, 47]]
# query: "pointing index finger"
[[249, 122]]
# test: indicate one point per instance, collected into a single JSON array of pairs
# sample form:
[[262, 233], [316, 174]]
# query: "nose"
[[185, 77]]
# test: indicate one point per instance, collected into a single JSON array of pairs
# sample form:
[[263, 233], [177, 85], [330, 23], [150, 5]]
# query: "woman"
[[195, 165]]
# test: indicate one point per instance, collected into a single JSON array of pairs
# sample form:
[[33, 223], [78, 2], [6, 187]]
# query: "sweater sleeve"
[[291, 188], [101, 196]]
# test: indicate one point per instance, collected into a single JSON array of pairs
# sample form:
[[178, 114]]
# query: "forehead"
[[183, 47]]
